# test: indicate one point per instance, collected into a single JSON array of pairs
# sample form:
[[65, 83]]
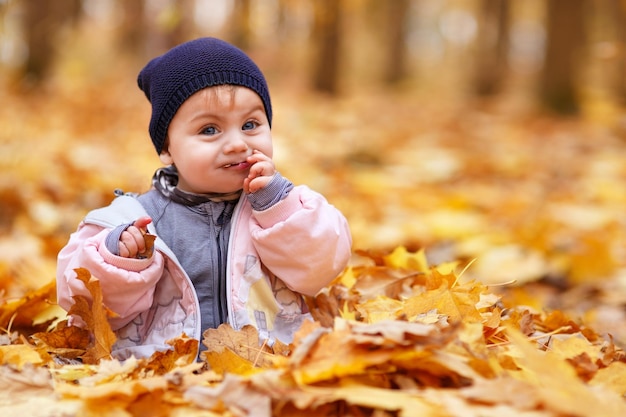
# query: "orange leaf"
[[64, 341], [95, 315], [244, 343], [24, 311], [149, 241], [184, 352]]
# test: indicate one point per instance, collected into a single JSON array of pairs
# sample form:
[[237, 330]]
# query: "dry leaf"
[[244, 343], [149, 249], [612, 377], [183, 352], [24, 312], [20, 355], [95, 314]]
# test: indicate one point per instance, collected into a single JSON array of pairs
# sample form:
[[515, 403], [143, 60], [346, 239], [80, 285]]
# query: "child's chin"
[[227, 190]]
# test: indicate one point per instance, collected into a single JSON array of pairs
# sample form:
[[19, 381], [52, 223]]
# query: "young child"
[[236, 242]]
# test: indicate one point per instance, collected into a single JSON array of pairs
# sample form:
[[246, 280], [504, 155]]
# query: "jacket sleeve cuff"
[[279, 212], [113, 238], [277, 189]]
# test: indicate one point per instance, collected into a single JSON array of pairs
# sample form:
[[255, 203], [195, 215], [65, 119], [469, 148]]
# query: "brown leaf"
[[23, 311], [244, 343], [328, 304], [64, 341], [149, 242], [184, 352], [95, 314]]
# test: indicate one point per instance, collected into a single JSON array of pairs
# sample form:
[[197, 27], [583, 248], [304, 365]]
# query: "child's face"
[[212, 134]]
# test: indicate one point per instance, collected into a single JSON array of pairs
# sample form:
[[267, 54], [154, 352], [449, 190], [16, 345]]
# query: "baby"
[[236, 242]]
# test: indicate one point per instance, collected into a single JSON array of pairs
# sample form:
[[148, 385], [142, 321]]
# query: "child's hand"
[[135, 242], [261, 172]]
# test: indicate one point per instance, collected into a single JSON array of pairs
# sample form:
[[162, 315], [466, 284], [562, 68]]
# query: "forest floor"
[[525, 196], [531, 205]]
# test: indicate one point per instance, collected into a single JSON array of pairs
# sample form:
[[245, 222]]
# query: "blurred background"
[[559, 49], [482, 131]]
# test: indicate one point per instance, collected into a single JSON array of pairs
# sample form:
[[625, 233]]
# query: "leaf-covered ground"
[[508, 299]]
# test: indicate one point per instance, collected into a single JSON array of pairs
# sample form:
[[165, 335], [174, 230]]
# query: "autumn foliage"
[[487, 278], [392, 335]]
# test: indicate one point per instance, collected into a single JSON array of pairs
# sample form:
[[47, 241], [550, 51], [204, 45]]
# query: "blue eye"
[[249, 125], [209, 130]]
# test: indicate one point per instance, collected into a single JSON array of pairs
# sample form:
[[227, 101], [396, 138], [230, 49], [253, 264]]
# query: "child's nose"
[[236, 143]]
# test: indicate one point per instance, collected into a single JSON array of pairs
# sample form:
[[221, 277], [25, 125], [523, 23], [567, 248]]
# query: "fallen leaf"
[[95, 314], [25, 312], [244, 343], [612, 377], [19, 355]]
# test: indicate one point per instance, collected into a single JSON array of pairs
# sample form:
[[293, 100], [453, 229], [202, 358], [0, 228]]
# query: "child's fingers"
[[258, 156], [260, 169], [132, 240], [142, 222], [129, 242], [123, 250], [260, 173], [257, 183]]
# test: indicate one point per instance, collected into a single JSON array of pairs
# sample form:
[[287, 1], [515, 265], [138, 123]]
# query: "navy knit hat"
[[173, 77]]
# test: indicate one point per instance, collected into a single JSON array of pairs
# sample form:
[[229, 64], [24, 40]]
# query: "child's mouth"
[[238, 165]]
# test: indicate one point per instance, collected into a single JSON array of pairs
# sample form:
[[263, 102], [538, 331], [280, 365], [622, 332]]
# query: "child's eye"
[[209, 130], [249, 125]]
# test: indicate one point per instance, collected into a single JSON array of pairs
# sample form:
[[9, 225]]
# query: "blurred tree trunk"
[[182, 24], [43, 22], [326, 38], [618, 11], [282, 23], [397, 20], [492, 47], [565, 37], [168, 25], [240, 24], [133, 29]]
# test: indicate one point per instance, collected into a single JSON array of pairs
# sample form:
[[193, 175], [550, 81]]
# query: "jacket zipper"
[[222, 297], [231, 238]]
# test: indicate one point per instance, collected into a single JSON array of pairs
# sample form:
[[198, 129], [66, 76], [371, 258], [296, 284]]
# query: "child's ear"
[[166, 157]]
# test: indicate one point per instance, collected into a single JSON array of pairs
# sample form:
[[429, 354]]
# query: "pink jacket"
[[302, 239]]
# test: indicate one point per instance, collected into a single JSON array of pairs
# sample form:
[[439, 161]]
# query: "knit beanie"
[[170, 79]]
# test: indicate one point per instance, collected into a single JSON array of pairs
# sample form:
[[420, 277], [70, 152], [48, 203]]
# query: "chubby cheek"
[[194, 167], [264, 146], [200, 162], [269, 152], [195, 175]]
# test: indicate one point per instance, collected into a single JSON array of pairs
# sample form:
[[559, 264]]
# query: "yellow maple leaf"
[[401, 258], [378, 309], [612, 377], [561, 390], [347, 278], [19, 355], [457, 305], [244, 343], [228, 361]]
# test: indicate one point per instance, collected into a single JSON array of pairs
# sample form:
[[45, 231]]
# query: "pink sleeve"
[[303, 240], [127, 284]]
